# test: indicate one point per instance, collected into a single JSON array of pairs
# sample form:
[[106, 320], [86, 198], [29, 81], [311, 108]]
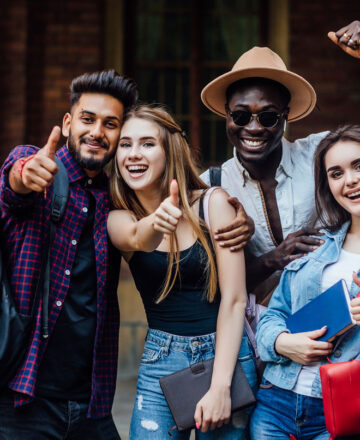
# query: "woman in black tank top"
[[189, 287]]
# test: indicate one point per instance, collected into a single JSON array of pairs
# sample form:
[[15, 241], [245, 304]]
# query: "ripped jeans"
[[164, 354]]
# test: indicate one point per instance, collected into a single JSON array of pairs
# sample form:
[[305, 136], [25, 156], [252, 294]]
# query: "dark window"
[[173, 48]]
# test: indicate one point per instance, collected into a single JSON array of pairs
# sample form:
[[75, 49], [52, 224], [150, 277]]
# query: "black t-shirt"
[[65, 371]]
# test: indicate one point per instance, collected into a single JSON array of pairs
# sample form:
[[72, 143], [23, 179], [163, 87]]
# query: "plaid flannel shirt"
[[25, 229]]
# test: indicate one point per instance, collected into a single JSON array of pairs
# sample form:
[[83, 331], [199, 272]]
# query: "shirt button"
[[73, 242], [67, 272], [59, 303], [89, 181], [85, 209], [337, 353]]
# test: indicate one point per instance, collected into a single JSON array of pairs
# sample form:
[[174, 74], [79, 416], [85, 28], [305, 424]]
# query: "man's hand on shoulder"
[[294, 246], [348, 38], [35, 173], [238, 233]]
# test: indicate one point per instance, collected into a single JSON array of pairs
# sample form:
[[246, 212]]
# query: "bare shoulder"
[[218, 194], [221, 212]]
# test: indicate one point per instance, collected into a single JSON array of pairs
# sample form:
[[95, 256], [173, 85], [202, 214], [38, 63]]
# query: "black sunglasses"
[[267, 118]]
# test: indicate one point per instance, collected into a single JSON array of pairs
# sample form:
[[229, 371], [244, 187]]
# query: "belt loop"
[[167, 343], [213, 339]]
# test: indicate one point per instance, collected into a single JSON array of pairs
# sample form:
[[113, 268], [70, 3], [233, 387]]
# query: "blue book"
[[330, 308]]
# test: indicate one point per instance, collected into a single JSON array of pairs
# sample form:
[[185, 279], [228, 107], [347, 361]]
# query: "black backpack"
[[15, 329]]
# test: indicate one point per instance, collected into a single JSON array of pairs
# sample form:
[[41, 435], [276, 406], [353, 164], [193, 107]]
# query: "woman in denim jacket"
[[289, 400]]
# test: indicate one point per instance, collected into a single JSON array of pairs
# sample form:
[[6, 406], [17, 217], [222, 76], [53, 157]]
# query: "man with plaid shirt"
[[64, 389]]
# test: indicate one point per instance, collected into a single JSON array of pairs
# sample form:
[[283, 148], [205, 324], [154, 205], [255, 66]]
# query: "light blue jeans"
[[280, 412], [164, 354]]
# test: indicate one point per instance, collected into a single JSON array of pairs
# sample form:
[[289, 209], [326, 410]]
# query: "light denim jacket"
[[300, 283]]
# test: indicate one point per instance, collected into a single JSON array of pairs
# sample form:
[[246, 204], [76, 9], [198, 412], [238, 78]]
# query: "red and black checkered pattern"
[[25, 229]]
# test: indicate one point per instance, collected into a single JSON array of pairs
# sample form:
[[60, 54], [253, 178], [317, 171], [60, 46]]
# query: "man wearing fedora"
[[271, 177]]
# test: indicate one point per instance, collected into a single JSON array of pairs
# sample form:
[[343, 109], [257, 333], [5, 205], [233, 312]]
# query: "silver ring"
[[348, 37]]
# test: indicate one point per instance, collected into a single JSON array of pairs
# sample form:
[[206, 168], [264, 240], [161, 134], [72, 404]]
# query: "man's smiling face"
[[93, 129], [254, 142]]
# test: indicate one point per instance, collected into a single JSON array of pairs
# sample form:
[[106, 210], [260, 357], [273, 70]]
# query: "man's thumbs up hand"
[[49, 148], [35, 173]]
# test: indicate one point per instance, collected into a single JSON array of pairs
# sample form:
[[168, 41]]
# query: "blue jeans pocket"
[[247, 359], [245, 352], [152, 352]]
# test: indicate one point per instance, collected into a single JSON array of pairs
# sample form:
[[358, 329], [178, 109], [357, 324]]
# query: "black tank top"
[[185, 311]]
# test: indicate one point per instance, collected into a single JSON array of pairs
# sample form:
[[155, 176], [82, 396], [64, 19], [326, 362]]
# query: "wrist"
[[20, 164], [221, 384], [279, 343], [15, 176]]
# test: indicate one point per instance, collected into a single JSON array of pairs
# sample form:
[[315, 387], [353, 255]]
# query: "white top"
[[347, 263], [294, 191]]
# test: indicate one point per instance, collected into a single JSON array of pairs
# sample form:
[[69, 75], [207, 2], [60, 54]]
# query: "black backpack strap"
[[215, 176], [58, 206], [60, 192]]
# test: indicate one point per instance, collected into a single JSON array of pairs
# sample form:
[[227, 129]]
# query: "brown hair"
[[330, 213], [179, 166]]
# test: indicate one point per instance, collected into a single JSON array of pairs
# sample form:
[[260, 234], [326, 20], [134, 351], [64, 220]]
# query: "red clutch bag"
[[340, 383]]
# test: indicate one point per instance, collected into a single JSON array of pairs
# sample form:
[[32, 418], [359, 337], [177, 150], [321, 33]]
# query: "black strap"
[[60, 192], [58, 206], [215, 176]]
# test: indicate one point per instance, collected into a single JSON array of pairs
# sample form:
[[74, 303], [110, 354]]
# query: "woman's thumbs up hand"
[[168, 213]]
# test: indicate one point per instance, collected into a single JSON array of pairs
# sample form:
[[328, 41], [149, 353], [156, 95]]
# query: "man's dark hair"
[[331, 214], [254, 80], [108, 82]]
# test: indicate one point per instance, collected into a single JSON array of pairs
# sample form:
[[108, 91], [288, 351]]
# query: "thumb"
[[50, 147], [198, 416], [317, 333], [174, 193], [333, 37]]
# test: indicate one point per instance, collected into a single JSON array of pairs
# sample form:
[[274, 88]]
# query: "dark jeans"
[[50, 419]]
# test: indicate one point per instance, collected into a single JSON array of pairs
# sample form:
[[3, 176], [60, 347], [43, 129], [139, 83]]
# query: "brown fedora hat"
[[264, 63]]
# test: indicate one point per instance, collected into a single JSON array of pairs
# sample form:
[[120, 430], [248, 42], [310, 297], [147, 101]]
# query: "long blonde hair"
[[180, 166]]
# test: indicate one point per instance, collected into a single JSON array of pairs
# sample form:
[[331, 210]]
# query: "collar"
[[339, 233], [285, 164], [76, 173], [243, 171]]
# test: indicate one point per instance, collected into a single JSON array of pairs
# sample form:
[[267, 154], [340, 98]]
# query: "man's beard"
[[88, 163]]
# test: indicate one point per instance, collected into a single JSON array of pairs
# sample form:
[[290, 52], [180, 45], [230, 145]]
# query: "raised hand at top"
[[348, 38]]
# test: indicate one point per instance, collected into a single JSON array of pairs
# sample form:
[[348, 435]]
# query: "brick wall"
[[46, 44], [13, 25], [333, 74]]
